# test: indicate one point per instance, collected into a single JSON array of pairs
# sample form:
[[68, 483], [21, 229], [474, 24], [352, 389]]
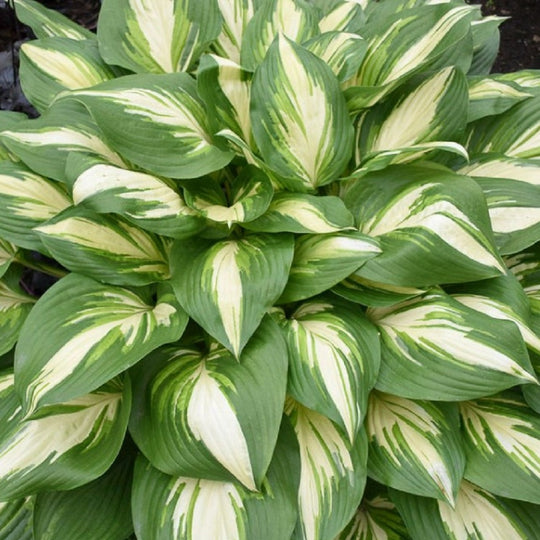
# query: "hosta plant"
[[295, 250]]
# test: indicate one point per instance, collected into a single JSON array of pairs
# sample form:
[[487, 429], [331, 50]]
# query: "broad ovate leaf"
[[209, 415], [27, 200], [227, 286], [68, 445], [81, 333], [106, 248], [502, 445], [299, 117], [415, 446], [156, 36], [332, 474], [16, 519], [333, 360], [447, 351], [135, 111]]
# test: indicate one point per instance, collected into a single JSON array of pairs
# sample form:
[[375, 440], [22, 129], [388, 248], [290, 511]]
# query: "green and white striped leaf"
[[143, 199], [16, 519], [345, 16], [502, 444], [447, 351], [15, 305], [9, 120], [156, 36], [323, 260], [27, 201], [299, 117], [295, 19], [303, 213], [477, 514], [433, 226], [104, 247], [8, 252], [342, 51], [227, 286], [182, 508], [136, 110], [226, 90], [249, 195], [208, 415], [490, 96], [334, 358], [100, 509], [49, 22], [81, 333], [504, 167], [415, 446], [235, 16], [53, 65], [44, 143], [332, 474], [70, 444]]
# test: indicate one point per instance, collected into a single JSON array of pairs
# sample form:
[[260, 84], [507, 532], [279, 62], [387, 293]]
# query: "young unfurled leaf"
[[207, 415], [227, 286], [81, 333], [16, 519], [415, 446]]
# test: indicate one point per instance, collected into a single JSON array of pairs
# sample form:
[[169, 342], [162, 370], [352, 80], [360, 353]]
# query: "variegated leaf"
[[477, 515], [486, 40], [45, 142], [227, 286], [303, 213], [247, 196], [16, 519], [502, 445], [68, 445], [345, 16], [334, 358], [49, 22], [332, 474], [99, 509], [433, 226], [105, 248], [179, 506], [52, 65], [447, 351], [136, 110], [299, 117], [8, 252], [156, 36], [295, 19], [9, 120], [415, 446], [323, 260], [504, 167], [235, 15], [81, 333], [208, 415], [26, 201]]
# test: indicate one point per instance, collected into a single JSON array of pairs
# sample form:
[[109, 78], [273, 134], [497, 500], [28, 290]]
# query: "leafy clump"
[[297, 270]]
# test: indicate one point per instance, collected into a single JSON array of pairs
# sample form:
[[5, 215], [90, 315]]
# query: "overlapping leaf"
[[81, 333], [235, 15], [8, 253], [16, 519], [343, 16]]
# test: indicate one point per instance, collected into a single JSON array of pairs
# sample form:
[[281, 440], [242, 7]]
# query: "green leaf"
[[299, 117], [485, 36], [447, 351], [433, 226], [415, 446], [8, 120], [182, 508], [81, 333], [334, 359], [106, 248], [227, 286], [52, 65], [502, 446], [207, 415], [68, 445], [477, 515], [100, 509], [303, 213], [135, 111], [8, 252], [504, 167], [16, 519], [323, 260], [343, 17], [49, 22], [158, 36], [27, 200], [332, 474]]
